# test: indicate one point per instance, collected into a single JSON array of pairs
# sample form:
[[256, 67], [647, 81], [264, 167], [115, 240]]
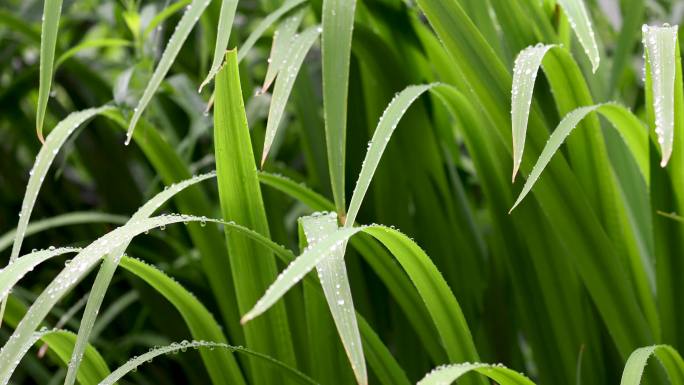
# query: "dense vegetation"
[[334, 205]]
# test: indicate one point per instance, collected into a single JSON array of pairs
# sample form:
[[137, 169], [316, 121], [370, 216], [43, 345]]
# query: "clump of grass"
[[433, 266]]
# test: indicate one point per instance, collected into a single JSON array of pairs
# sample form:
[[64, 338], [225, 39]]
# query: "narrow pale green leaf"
[[332, 273], [48, 41], [524, 75], [660, 45], [180, 34], [16, 270], [338, 23], [383, 132], [163, 15], [44, 159], [628, 126], [445, 375], [108, 267], [73, 218], [226, 17], [581, 24], [668, 356], [135, 362], [300, 46], [264, 24], [282, 41]]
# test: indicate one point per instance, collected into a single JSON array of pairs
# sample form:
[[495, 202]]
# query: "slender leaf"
[[48, 40], [581, 24], [447, 374], [668, 357], [282, 41], [226, 17]]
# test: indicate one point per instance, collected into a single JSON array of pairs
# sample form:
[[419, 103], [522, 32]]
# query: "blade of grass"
[[180, 34], [222, 367], [241, 201], [72, 218], [282, 41], [498, 373], [578, 16], [226, 17], [337, 23], [299, 47], [668, 357], [332, 273], [48, 40], [44, 159], [108, 267], [175, 347], [92, 43], [660, 45], [629, 127]]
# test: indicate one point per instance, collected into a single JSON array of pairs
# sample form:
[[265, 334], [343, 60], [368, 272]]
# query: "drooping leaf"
[[180, 34], [332, 274], [445, 375], [300, 46], [668, 357], [581, 24], [660, 44], [226, 17]]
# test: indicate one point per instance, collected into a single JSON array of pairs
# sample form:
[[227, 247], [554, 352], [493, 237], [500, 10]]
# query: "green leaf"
[[627, 125], [299, 47], [447, 374], [72, 218], [668, 357], [108, 267], [48, 40], [180, 34], [44, 159], [439, 299], [524, 75], [283, 38], [241, 202], [338, 23], [661, 50], [581, 24], [183, 346], [226, 17], [332, 273], [91, 43], [222, 367]]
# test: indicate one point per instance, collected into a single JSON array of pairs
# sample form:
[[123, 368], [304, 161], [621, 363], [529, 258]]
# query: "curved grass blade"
[[180, 34], [524, 75], [301, 44], [108, 267], [222, 367], [660, 44], [581, 24], [440, 301], [48, 41], [282, 41], [226, 17], [447, 374], [668, 357], [11, 352], [383, 132], [627, 125], [338, 23], [73, 218], [182, 346], [332, 274], [16, 270], [94, 43], [264, 24], [44, 159]]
